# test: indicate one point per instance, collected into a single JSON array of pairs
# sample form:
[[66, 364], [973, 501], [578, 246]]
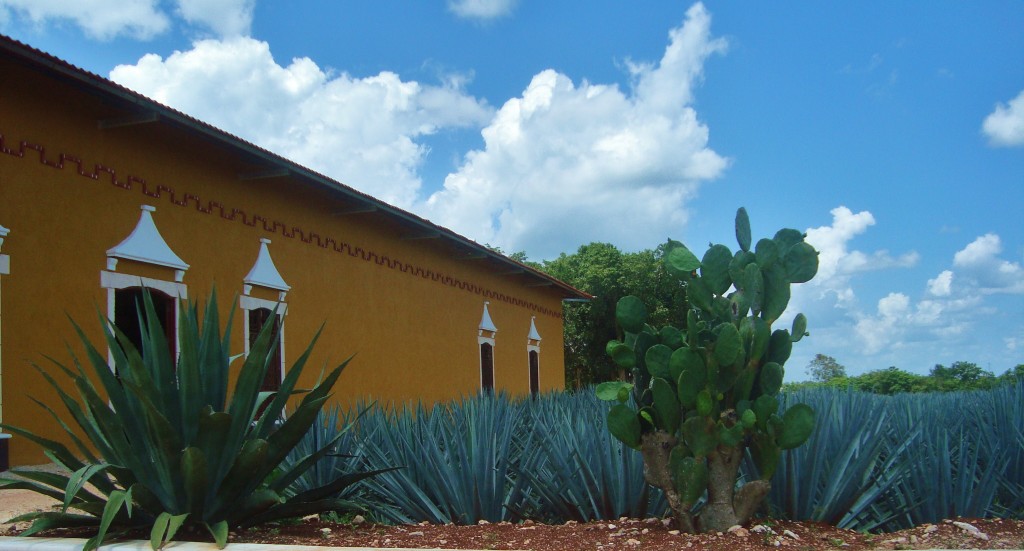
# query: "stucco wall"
[[415, 337]]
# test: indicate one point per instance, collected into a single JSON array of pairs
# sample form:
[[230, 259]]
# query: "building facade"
[[103, 191]]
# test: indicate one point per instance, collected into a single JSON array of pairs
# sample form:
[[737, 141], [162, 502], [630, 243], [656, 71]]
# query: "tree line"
[[609, 274], [826, 371]]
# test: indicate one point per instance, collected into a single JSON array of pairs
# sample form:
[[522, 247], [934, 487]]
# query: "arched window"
[[144, 245], [485, 340], [5, 268], [258, 319], [534, 371], [487, 367], [265, 278], [533, 356], [128, 307]]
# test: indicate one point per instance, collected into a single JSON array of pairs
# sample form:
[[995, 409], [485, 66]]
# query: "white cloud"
[[99, 19], [226, 18], [1015, 341], [979, 261], [978, 252], [481, 9], [878, 331], [897, 321], [949, 311], [1005, 125], [361, 131], [568, 163], [942, 285], [837, 263]]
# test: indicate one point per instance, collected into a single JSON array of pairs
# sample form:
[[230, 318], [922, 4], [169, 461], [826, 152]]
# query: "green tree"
[[961, 376], [604, 271], [1012, 375], [824, 368], [594, 268], [891, 381]]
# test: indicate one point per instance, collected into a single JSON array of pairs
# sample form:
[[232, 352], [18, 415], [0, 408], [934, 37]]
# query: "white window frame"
[[480, 342], [5, 269], [112, 281], [486, 332], [530, 348], [278, 308]]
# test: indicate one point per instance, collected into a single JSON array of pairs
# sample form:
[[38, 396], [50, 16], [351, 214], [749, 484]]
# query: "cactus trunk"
[[726, 507], [656, 449]]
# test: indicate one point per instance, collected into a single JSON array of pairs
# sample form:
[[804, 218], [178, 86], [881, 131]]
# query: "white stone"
[[966, 527]]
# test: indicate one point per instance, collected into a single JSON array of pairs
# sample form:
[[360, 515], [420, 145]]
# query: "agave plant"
[[1008, 415], [456, 460], [961, 457], [852, 464], [168, 447], [333, 424], [575, 469]]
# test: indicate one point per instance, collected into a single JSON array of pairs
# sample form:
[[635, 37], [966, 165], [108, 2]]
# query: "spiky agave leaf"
[[168, 452]]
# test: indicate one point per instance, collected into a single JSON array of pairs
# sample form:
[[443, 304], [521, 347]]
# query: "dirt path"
[[19, 502]]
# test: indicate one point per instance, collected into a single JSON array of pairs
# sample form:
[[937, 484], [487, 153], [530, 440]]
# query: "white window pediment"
[[533, 335], [264, 273], [486, 325], [145, 244]]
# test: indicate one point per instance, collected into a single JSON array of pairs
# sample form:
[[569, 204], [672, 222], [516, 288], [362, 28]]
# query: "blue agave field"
[[873, 463]]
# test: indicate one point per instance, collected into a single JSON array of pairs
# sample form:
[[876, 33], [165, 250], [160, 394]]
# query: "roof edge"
[[50, 63]]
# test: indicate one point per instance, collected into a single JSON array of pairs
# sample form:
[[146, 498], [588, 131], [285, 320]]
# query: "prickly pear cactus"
[[706, 392]]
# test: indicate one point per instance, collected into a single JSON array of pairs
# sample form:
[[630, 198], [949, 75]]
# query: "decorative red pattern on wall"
[[158, 191]]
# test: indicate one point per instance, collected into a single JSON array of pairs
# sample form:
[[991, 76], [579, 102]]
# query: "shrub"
[[171, 447]]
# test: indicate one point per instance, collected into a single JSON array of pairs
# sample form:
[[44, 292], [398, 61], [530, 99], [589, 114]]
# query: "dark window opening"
[[128, 306], [534, 372], [487, 367], [258, 319]]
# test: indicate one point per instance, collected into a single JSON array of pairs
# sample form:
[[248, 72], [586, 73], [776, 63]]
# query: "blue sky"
[[893, 133]]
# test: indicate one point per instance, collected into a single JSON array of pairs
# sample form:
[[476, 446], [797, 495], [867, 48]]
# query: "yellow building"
[[103, 191]]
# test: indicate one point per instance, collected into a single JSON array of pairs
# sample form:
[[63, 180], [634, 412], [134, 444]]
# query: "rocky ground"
[[625, 534], [647, 535]]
